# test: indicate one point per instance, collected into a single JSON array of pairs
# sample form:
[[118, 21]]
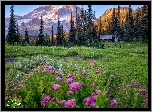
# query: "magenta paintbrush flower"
[[69, 81], [113, 103], [61, 102], [70, 103], [98, 92], [70, 93], [56, 87], [93, 84], [75, 86], [137, 83], [59, 79]]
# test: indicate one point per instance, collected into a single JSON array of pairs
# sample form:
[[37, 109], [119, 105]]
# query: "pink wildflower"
[[142, 90], [75, 86], [55, 72], [42, 63], [93, 62], [56, 87], [70, 103], [70, 93], [61, 102], [103, 73], [35, 70], [93, 84], [93, 97], [137, 83], [69, 80], [59, 79], [98, 92], [113, 103], [111, 76]]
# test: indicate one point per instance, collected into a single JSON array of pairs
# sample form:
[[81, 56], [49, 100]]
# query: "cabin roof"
[[105, 36]]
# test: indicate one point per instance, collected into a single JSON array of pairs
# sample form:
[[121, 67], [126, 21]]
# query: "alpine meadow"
[[80, 61]]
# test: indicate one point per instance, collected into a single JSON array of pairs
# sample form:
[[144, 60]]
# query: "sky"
[[22, 10]]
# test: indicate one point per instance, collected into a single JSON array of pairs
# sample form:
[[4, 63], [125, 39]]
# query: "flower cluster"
[[75, 86], [70, 103], [113, 103], [69, 81], [88, 101], [56, 87], [47, 99]]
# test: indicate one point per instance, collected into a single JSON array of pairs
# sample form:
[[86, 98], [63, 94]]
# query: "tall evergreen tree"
[[71, 39], [41, 40], [144, 24], [26, 40], [47, 40], [136, 26], [59, 38], [13, 34], [131, 24], [52, 38]]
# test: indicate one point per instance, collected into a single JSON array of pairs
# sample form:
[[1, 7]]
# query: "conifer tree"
[[47, 41], [136, 26], [144, 24], [26, 40], [71, 39], [41, 40], [59, 38], [52, 37], [13, 34]]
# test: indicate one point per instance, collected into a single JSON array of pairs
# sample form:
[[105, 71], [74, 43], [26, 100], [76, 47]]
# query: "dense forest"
[[127, 25]]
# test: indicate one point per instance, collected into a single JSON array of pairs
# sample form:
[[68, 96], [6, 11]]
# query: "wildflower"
[[75, 86], [98, 92], [120, 89], [146, 97], [55, 72], [70, 103], [103, 73], [71, 76], [69, 80], [63, 74], [61, 102], [49, 68], [99, 68], [93, 105], [93, 62], [56, 87], [59, 79], [97, 71], [42, 63], [44, 71], [45, 100], [89, 66], [93, 84], [128, 86], [70, 93], [52, 99], [137, 83], [76, 69], [113, 103], [111, 76], [146, 102], [142, 90], [93, 97], [35, 70], [88, 101], [124, 89], [22, 81]]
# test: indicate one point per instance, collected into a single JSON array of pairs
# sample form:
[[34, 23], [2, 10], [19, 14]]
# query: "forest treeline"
[[85, 29]]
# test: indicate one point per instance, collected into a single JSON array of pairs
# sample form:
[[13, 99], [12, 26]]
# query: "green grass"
[[128, 64]]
